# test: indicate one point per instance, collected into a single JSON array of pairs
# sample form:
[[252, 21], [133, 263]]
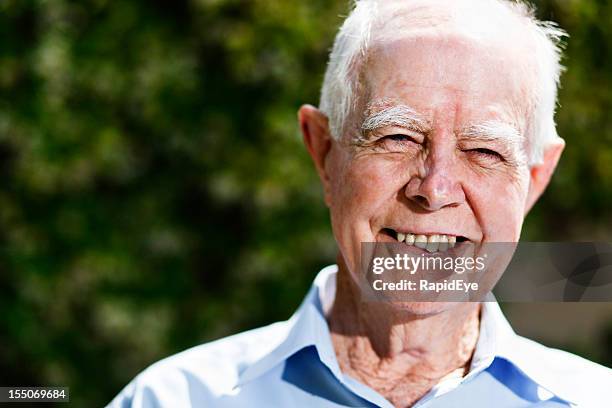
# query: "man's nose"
[[438, 187]]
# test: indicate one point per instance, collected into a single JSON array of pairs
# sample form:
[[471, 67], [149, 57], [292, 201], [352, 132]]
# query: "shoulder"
[[563, 362], [565, 374], [202, 373]]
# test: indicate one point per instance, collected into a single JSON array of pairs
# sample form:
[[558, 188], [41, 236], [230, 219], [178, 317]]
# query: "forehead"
[[433, 70]]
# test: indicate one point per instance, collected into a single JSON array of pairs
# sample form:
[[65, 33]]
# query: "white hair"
[[343, 84]]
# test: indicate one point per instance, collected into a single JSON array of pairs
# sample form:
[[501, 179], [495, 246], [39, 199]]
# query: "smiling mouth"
[[429, 243]]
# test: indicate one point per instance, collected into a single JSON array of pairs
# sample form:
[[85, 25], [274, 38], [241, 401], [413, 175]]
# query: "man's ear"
[[540, 174], [315, 130]]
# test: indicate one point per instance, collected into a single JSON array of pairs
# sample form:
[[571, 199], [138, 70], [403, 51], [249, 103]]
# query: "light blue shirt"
[[293, 364]]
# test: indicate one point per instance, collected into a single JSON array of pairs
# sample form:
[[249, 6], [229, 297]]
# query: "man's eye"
[[488, 153], [398, 138]]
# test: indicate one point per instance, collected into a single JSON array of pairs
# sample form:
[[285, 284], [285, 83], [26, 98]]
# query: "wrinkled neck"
[[387, 330]]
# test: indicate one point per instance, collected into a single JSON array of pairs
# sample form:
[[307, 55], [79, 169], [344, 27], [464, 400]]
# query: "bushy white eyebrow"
[[397, 115], [493, 130], [497, 131]]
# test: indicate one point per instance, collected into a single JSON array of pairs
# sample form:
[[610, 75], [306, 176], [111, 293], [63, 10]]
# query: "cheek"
[[501, 208], [364, 187], [359, 191]]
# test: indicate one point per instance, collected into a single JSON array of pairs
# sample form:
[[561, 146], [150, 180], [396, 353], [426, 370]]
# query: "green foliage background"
[[155, 193]]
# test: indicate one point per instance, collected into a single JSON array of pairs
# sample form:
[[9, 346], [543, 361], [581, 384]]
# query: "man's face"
[[442, 153]]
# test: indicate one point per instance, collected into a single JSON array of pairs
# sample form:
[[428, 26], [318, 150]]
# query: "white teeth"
[[420, 241], [431, 243], [443, 245]]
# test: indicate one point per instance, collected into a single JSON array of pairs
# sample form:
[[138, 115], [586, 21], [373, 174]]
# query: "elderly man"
[[435, 126]]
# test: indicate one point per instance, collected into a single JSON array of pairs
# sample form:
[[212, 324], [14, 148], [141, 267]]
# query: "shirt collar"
[[308, 327], [522, 353]]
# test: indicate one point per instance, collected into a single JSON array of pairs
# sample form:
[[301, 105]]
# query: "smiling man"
[[435, 128]]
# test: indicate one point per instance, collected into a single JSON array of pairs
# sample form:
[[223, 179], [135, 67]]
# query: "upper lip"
[[418, 231], [405, 231]]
